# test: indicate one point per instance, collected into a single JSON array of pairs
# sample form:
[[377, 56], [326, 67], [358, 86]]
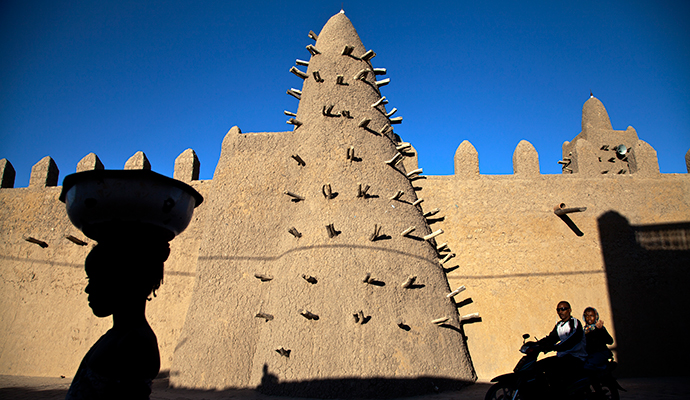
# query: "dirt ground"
[[40, 388]]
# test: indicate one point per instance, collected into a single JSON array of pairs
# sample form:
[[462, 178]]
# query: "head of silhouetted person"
[[122, 273]]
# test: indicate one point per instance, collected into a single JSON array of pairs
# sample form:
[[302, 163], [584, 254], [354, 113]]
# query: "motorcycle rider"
[[568, 339]]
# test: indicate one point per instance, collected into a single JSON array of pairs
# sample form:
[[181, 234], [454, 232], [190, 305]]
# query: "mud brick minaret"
[[319, 274]]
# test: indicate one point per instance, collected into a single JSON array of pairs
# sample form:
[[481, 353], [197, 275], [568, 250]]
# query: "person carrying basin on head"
[[132, 214]]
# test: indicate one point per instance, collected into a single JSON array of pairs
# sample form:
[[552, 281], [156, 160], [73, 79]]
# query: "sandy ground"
[[41, 388]]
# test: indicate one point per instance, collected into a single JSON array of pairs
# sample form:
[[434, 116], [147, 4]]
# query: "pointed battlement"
[[90, 162], [525, 160], [44, 173], [7, 174], [187, 166], [466, 160]]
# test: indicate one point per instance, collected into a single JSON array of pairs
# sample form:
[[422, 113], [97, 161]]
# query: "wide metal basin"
[[100, 202]]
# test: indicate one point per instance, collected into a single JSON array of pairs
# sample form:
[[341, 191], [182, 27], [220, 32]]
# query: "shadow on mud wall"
[[22, 393], [648, 273], [35, 388], [358, 387]]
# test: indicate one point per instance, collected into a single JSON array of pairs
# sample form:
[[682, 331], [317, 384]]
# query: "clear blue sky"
[[116, 77]]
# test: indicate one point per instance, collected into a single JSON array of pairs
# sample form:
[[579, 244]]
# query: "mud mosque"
[[324, 263]]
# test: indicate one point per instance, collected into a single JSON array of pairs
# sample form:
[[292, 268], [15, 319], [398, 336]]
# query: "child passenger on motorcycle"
[[597, 338], [568, 339]]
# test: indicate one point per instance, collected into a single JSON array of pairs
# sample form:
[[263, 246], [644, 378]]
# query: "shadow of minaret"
[[648, 272], [355, 387]]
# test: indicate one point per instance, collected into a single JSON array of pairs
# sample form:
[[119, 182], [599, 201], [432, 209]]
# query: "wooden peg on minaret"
[[299, 73], [368, 55]]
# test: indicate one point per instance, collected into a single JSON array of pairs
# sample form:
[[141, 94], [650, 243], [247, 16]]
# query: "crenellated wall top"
[[597, 150], [45, 173]]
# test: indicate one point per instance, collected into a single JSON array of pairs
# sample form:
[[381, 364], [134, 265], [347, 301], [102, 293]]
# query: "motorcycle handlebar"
[[530, 347]]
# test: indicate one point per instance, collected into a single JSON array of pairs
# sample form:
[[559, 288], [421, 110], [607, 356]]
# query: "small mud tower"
[[601, 150], [315, 278]]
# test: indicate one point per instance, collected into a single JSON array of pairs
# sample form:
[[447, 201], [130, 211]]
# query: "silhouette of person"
[[124, 361]]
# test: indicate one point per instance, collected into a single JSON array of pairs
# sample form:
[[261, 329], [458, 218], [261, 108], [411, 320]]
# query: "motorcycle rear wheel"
[[606, 393], [502, 391]]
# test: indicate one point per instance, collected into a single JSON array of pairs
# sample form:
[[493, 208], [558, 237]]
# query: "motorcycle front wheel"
[[502, 391]]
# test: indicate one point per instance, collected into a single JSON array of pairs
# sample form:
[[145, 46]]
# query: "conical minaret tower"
[[319, 275]]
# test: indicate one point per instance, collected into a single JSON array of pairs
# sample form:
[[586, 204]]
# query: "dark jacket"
[[567, 338], [597, 340]]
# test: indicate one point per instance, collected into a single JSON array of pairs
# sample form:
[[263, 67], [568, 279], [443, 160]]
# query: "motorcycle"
[[531, 379]]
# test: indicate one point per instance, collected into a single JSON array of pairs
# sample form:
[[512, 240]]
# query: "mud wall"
[[516, 257], [518, 260]]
